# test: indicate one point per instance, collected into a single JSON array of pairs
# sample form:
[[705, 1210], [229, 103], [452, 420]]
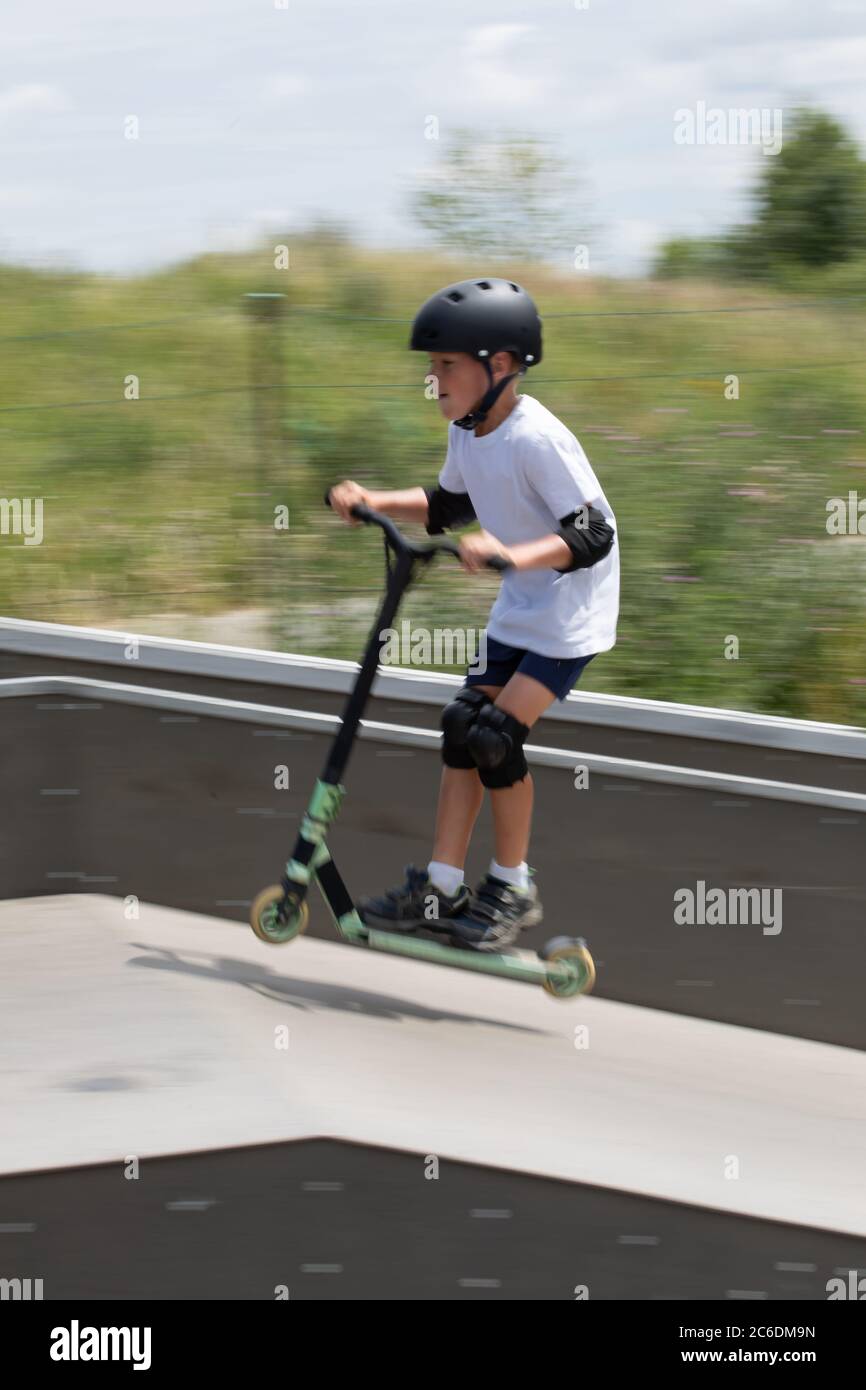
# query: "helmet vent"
[[455, 296], [483, 284], [516, 288]]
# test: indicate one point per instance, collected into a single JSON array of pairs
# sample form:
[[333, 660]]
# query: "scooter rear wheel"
[[273, 927], [574, 950]]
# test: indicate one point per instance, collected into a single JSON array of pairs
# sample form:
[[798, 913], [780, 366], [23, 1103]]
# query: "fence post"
[[267, 383]]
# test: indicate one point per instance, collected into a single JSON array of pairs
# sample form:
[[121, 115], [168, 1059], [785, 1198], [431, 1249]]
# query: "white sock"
[[445, 877], [519, 876]]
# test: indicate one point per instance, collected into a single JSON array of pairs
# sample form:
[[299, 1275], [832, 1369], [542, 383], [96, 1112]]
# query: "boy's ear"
[[511, 364]]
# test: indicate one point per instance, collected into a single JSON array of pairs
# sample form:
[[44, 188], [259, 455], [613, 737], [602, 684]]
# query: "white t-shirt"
[[521, 478]]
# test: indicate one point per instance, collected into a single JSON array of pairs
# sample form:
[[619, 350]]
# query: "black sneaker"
[[497, 914], [416, 903]]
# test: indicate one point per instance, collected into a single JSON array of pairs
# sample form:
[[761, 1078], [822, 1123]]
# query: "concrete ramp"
[[165, 1035]]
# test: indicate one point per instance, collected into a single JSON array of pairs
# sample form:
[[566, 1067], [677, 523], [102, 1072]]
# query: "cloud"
[[31, 96], [829, 63], [498, 35], [275, 90], [490, 77], [22, 197]]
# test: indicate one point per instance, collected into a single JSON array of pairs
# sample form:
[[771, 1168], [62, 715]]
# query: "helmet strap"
[[488, 400]]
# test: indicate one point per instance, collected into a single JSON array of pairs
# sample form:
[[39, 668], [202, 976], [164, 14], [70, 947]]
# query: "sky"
[[253, 114]]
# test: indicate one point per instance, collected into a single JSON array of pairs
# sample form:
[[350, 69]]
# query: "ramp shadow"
[[305, 994]]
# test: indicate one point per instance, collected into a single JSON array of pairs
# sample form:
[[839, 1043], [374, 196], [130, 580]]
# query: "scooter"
[[563, 966]]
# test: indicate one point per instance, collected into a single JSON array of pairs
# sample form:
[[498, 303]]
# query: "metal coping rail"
[[84, 690], [296, 671]]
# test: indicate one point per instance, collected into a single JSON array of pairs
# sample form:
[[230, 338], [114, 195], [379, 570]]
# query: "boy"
[[513, 466]]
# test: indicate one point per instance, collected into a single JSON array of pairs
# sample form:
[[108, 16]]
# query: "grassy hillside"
[[162, 505]]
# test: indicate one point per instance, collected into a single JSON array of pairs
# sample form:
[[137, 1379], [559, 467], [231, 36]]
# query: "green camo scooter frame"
[[564, 966]]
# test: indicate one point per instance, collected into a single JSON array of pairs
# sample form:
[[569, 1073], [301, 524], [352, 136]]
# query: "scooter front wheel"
[[275, 926], [581, 976]]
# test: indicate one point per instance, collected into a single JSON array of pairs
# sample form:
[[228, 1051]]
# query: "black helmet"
[[481, 317]]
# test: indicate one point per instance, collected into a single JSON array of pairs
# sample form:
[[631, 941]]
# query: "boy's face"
[[462, 380]]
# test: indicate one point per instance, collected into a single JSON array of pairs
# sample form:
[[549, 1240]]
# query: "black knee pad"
[[496, 742], [457, 719]]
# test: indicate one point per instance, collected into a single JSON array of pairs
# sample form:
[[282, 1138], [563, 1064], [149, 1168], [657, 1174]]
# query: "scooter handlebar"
[[399, 541], [493, 562]]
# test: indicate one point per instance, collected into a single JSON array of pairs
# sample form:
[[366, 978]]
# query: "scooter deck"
[[444, 938], [564, 966], [562, 978]]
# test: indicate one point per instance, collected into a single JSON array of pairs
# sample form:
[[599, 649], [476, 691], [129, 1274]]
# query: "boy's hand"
[[345, 496], [476, 548]]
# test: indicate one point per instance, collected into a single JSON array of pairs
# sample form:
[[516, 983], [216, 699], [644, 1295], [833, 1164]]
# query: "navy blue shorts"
[[558, 674]]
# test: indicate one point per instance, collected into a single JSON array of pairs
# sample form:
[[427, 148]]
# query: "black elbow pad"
[[447, 509], [588, 536]]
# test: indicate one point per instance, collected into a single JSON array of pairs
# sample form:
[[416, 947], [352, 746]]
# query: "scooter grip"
[[359, 511]]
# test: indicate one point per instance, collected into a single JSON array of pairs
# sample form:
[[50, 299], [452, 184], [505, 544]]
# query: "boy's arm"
[[583, 538], [408, 505], [558, 471], [447, 509], [435, 507]]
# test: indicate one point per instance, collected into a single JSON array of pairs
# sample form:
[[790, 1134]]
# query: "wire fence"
[[166, 510]]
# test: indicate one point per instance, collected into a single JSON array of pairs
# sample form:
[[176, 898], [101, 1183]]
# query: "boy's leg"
[[525, 699], [506, 901], [460, 799], [461, 795]]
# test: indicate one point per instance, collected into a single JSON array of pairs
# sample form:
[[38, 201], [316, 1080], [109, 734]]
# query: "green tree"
[[687, 257], [811, 201], [508, 196], [808, 211]]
